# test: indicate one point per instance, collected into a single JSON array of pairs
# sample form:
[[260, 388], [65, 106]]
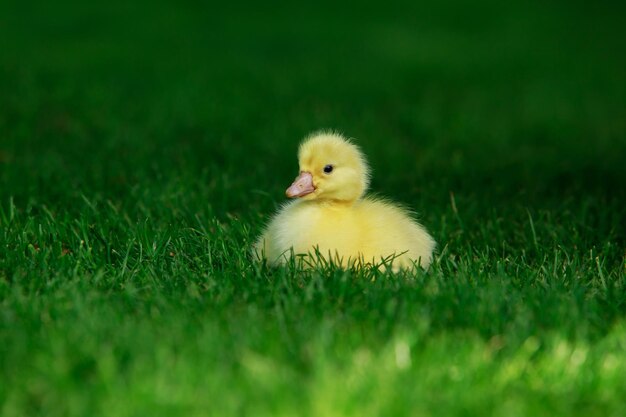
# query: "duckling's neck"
[[330, 203]]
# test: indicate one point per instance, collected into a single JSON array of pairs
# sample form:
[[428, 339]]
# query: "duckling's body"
[[331, 218]]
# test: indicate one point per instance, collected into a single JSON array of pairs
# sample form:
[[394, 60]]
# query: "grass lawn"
[[143, 147]]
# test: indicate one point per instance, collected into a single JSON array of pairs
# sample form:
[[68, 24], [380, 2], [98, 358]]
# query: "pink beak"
[[301, 186]]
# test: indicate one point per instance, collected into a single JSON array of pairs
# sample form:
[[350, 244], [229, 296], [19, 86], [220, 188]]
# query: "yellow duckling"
[[331, 217]]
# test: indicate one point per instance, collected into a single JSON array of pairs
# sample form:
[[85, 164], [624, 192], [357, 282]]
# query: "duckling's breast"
[[331, 229]]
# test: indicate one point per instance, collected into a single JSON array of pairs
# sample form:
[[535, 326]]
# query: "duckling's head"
[[331, 168]]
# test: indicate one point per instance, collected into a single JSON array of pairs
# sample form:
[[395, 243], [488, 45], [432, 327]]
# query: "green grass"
[[143, 147]]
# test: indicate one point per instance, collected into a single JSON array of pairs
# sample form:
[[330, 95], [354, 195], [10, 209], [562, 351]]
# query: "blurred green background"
[[143, 145], [479, 95]]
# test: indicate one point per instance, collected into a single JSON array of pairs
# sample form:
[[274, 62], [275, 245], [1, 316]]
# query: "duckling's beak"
[[302, 185]]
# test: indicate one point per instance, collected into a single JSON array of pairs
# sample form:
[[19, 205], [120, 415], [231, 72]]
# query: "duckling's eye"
[[328, 169]]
